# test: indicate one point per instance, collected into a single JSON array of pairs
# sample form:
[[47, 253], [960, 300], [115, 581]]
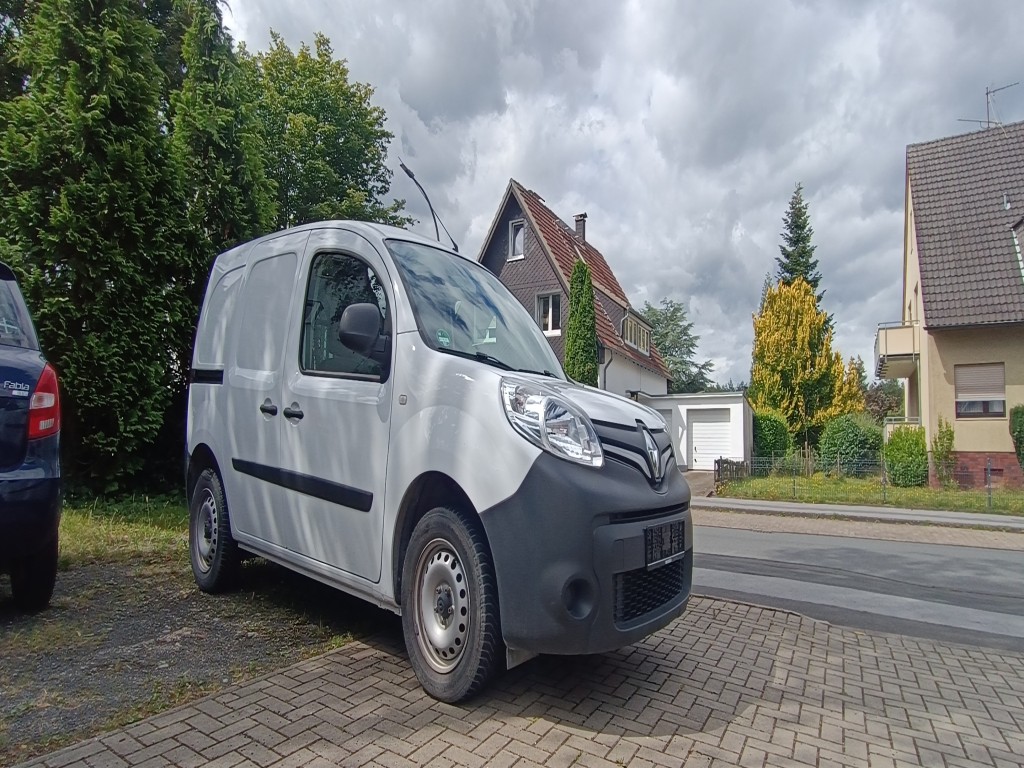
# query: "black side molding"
[[207, 376], [336, 493]]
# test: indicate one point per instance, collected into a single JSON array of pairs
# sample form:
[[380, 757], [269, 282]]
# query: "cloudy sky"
[[681, 128]]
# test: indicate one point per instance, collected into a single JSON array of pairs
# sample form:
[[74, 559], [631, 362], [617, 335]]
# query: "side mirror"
[[359, 327]]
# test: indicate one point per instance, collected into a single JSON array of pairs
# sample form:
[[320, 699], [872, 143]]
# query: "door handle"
[[268, 408], [293, 412]]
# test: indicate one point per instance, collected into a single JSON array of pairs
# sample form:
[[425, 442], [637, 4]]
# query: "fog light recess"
[[578, 596]]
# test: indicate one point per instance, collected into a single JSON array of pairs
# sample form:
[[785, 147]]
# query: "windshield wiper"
[[483, 357], [545, 372]]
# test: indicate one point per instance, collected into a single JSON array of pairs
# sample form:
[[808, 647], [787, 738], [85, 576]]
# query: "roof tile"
[[970, 273], [566, 249]]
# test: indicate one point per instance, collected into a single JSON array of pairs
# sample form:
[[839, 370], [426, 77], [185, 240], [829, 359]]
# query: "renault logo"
[[653, 454]]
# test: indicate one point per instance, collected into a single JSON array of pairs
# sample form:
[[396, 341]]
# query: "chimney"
[[581, 225]]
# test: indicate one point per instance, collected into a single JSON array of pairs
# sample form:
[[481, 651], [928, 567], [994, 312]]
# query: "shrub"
[[848, 443], [771, 434], [1017, 432], [942, 453], [906, 457]]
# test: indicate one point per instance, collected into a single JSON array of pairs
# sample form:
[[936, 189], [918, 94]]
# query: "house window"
[[516, 237], [980, 391], [636, 335], [549, 314]]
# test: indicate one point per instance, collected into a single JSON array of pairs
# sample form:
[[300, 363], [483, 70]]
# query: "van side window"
[[265, 314], [336, 281]]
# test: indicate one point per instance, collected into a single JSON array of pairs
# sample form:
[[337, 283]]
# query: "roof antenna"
[[989, 93], [437, 234]]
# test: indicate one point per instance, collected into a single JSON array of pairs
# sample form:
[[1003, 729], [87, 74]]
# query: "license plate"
[[665, 543]]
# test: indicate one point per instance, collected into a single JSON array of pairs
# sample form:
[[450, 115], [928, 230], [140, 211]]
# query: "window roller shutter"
[[980, 382]]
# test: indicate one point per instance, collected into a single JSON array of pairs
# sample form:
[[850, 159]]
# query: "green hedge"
[[849, 444], [771, 434], [1017, 431], [906, 457]]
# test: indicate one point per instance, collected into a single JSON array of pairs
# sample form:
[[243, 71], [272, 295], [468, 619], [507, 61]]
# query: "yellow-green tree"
[[794, 368], [849, 392]]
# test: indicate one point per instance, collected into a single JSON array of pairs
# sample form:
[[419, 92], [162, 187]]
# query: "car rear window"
[[16, 328]]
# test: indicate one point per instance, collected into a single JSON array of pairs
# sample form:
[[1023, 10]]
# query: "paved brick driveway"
[[729, 684]]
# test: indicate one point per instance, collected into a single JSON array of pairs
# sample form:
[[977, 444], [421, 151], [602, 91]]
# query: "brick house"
[[960, 341], [533, 252]]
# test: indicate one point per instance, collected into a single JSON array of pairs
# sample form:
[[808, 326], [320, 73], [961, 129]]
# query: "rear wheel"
[[450, 606], [213, 552], [33, 578]]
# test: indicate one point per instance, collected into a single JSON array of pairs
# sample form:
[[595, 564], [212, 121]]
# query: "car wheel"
[[450, 606], [33, 579], [212, 550]]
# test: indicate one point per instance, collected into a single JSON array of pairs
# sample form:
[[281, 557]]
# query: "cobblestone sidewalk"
[[728, 684]]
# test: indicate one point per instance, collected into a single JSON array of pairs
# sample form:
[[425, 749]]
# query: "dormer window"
[[516, 238], [634, 334]]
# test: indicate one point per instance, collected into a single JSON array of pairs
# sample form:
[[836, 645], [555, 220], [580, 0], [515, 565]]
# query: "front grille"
[[642, 591], [646, 514], [626, 446]]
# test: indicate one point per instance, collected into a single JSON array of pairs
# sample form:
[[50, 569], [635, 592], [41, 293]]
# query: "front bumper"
[[570, 561]]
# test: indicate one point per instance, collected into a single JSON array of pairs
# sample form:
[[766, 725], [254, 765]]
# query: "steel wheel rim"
[[204, 532], [442, 609]]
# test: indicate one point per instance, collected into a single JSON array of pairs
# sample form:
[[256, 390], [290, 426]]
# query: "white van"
[[379, 413]]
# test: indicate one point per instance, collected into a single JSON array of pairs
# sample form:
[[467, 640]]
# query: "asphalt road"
[[948, 593]]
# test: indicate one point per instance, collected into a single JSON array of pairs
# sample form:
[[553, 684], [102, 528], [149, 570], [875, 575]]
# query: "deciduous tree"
[[581, 331], [884, 398], [795, 370], [673, 335], [324, 142]]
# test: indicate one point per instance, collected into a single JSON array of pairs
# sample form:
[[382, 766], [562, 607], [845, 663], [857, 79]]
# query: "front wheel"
[[212, 550], [450, 606]]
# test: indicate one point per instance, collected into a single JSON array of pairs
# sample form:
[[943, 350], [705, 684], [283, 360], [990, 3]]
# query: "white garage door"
[[709, 437]]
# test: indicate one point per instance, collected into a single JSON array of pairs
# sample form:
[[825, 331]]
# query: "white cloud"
[[680, 128]]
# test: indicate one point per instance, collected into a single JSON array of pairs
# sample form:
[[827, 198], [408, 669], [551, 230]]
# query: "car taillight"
[[44, 408]]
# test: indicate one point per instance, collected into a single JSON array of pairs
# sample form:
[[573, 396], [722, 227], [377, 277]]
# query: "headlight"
[[551, 423]]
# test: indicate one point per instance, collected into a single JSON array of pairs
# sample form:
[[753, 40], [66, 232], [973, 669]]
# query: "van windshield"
[[461, 308]]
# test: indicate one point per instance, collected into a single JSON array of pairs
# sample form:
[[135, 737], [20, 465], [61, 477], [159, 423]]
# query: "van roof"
[[370, 230]]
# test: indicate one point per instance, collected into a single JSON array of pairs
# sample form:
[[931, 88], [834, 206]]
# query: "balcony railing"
[[897, 347]]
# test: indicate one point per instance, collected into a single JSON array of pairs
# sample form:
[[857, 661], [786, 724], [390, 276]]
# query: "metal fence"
[[803, 476]]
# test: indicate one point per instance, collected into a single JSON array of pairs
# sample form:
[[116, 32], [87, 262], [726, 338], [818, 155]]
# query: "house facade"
[[959, 343], [533, 252]]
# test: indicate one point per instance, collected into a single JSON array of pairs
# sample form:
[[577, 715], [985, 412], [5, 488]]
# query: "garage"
[[705, 426], [710, 437]]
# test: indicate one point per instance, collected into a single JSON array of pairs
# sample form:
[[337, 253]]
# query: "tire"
[[212, 550], [450, 606], [33, 579]]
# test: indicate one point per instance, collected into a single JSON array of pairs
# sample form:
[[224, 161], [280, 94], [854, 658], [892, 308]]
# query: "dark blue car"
[[30, 493]]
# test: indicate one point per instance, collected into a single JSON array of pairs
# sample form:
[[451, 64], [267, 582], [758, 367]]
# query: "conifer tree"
[[797, 252], [86, 200], [14, 17], [216, 152], [581, 333], [672, 334]]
